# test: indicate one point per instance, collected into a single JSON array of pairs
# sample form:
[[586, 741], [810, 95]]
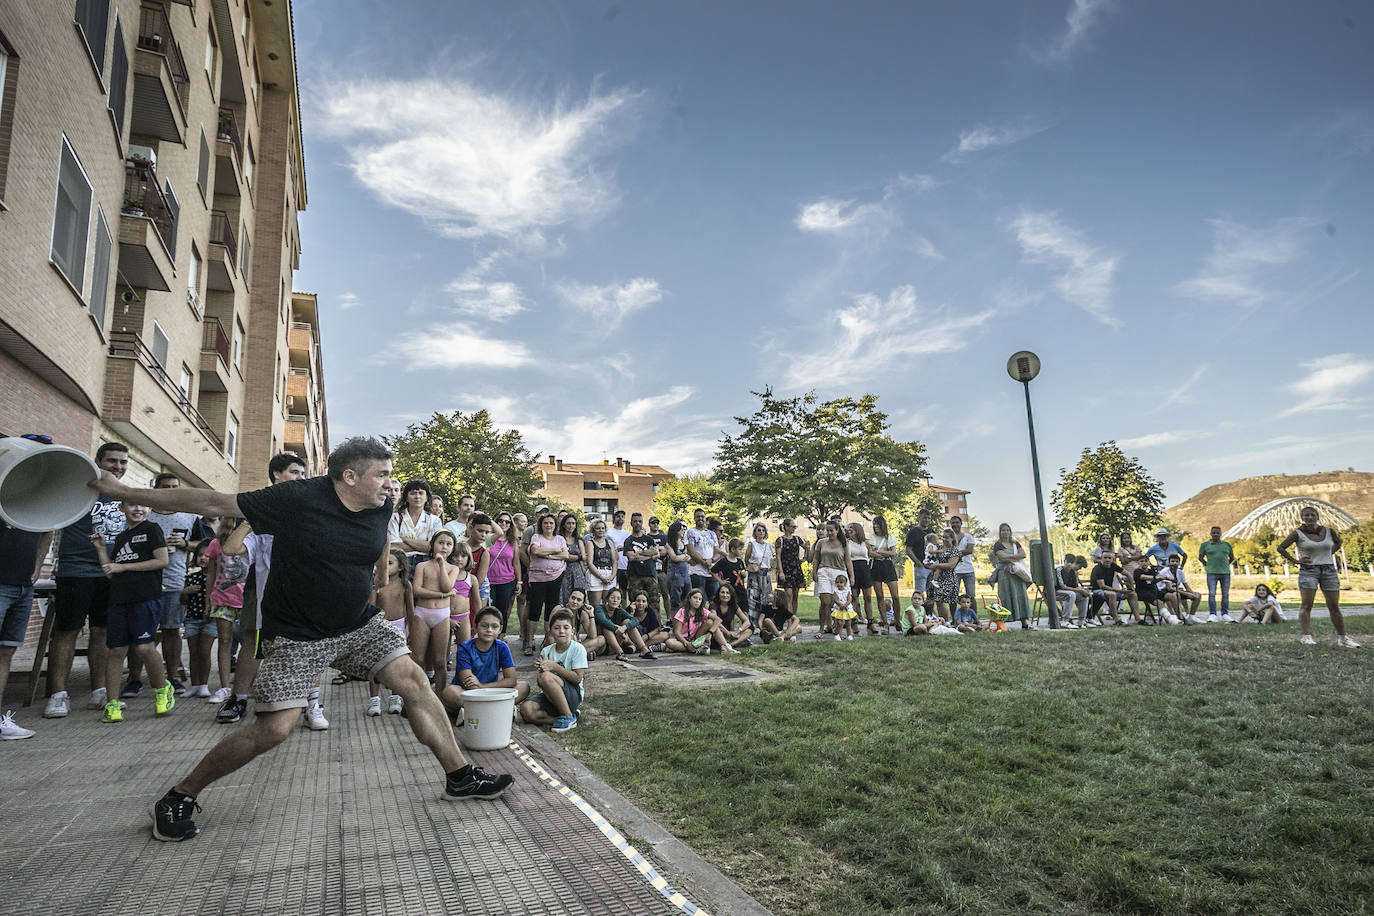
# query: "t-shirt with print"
[[704, 541], [76, 556], [18, 555], [485, 666], [572, 658], [1216, 557], [195, 601], [323, 554], [965, 560], [136, 545], [660, 541], [637, 542], [231, 575], [731, 572], [618, 537], [184, 524]]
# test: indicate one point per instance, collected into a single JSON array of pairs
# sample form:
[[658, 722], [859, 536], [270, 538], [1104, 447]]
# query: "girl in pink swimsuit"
[[433, 590]]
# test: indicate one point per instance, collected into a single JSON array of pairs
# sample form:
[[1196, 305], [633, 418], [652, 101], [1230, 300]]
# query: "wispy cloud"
[[831, 215], [1239, 269], [1082, 17], [455, 346], [611, 302], [919, 182], [1085, 272], [348, 301], [1336, 382], [984, 137], [1155, 440], [475, 163], [875, 332], [477, 296]]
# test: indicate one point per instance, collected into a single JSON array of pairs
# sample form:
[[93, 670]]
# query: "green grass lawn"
[[1224, 769]]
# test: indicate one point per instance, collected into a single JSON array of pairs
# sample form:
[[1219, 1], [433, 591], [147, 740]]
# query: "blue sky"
[[608, 223]]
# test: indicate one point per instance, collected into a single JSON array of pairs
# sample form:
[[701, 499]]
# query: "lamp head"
[[1023, 366]]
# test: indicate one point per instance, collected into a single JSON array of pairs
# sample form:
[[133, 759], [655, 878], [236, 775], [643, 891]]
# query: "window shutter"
[[100, 273], [174, 208], [203, 166], [93, 16], [119, 79]]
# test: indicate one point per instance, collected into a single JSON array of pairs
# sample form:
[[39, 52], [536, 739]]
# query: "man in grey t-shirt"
[[178, 529]]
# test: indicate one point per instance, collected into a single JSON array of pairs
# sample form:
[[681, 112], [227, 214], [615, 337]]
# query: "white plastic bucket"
[[44, 487], [487, 713]]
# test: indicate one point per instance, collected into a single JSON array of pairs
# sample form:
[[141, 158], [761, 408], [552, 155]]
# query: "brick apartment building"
[[602, 488], [151, 171]]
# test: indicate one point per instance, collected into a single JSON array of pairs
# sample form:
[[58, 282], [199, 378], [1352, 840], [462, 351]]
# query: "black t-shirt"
[[660, 540], [322, 558], [1144, 581], [636, 542], [18, 555], [731, 572], [1106, 575], [134, 546], [916, 540]]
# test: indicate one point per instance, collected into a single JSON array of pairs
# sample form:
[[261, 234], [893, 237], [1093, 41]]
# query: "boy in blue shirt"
[[965, 617], [483, 661]]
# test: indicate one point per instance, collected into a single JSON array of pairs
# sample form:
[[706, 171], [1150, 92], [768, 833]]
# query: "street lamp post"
[[1023, 367]]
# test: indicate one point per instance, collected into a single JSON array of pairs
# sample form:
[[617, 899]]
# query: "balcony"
[[128, 347], [232, 76], [295, 435], [298, 385], [214, 357], [145, 226], [301, 338], [228, 155], [224, 253], [161, 83]]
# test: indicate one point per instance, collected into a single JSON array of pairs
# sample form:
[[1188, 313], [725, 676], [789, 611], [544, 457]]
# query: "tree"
[[903, 515], [796, 458], [1107, 491], [1259, 551], [1359, 545], [678, 497], [462, 453]]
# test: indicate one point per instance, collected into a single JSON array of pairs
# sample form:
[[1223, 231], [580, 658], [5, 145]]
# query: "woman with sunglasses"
[[503, 567]]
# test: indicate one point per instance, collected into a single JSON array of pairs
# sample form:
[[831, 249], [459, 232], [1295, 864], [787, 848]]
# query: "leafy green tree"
[[796, 458], [1107, 491], [1259, 551], [903, 516], [1359, 545], [678, 497], [461, 453]]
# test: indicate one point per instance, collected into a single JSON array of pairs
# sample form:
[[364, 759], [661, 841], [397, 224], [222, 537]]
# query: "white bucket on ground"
[[487, 713], [44, 487]]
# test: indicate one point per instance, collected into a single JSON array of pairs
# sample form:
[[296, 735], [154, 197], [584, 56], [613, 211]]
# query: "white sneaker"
[[10, 731], [1307, 640], [193, 691], [97, 699], [374, 706], [1211, 618], [57, 707], [1345, 642], [1070, 625], [314, 717], [394, 705], [219, 696], [1193, 618], [1227, 618], [838, 637], [728, 649]]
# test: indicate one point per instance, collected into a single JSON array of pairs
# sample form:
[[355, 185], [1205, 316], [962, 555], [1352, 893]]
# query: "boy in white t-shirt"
[[562, 665]]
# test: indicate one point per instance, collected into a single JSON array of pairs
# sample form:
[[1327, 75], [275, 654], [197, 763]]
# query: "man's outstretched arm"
[[170, 499]]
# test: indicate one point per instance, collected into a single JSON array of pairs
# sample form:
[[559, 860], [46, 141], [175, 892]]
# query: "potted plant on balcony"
[[133, 207], [226, 126]]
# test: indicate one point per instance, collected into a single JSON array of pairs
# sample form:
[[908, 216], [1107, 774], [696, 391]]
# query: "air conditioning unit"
[[193, 300], [146, 152]]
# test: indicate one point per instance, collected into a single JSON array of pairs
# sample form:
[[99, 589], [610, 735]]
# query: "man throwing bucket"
[[329, 532]]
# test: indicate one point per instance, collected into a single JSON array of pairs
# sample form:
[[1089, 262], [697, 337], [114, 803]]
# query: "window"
[[159, 345], [100, 271], [93, 19], [255, 78], [231, 441], [174, 207], [9, 72], [71, 218], [184, 383], [238, 343], [211, 56], [193, 279], [245, 252], [248, 163], [119, 79], [203, 166]]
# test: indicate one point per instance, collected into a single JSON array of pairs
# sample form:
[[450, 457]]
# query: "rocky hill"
[[1225, 504]]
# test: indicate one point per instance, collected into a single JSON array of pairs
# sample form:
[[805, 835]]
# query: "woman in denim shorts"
[[1316, 561]]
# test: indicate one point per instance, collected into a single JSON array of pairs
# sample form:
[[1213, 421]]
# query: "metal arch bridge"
[[1283, 515]]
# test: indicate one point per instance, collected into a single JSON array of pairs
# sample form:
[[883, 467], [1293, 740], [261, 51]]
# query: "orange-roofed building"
[[604, 487]]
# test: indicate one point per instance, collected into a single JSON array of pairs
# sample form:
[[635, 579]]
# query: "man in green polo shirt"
[[1218, 558]]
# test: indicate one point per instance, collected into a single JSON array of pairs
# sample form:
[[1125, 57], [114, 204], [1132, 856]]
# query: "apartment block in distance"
[[151, 170], [601, 489]]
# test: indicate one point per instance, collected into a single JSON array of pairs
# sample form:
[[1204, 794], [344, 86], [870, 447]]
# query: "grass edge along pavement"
[[1220, 769]]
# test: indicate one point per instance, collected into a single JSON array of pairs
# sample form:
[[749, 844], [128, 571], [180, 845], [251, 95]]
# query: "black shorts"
[[883, 571], [79, 598], [570, 693], [863, 579], [133, 624]]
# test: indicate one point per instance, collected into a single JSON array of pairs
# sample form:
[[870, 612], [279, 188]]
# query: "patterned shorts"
[[292, 668]]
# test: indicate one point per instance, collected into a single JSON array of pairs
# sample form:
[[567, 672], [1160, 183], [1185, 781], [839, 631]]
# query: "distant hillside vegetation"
[[1225, 504]]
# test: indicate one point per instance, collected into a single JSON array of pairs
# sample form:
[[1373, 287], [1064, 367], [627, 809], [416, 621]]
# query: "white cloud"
[[1155, 440], [983, 137], [348, 301], [1080, 19], [456, 346], [1242, 261], [873, 334], [475, 163], [1085, 277], [478, 297], [830, 215], [920, 182], [926, 248], [611, 303], [1336, 382]]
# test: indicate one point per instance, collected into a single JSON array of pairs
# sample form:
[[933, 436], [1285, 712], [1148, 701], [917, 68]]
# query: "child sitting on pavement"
[[650, 627], [693, 625], [618, 627], [965, 617], [734, 630], [776, 620], [135, 606], [483, 661], [1263, 608], [562, 666]]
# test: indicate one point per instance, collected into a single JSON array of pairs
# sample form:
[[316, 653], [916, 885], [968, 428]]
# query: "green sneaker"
[[112, 712], [164, 698]]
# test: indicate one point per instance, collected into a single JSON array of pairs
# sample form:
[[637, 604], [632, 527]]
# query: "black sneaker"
[[172, 817], [232, 710], [475, 782], [131, 690]]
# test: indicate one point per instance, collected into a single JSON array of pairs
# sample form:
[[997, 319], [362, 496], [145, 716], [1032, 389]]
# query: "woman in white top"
[[758, 565], [863, 573], [1316, 561], [882, 552], [413, 525]]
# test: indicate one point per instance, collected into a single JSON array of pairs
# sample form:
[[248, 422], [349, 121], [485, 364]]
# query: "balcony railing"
[[222, 233], [143, 197], [128, 345], [229, 130], [155, 34], [216, 340]]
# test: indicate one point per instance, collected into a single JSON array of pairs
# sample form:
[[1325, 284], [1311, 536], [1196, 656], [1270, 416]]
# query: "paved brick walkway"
[[341, 821]]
